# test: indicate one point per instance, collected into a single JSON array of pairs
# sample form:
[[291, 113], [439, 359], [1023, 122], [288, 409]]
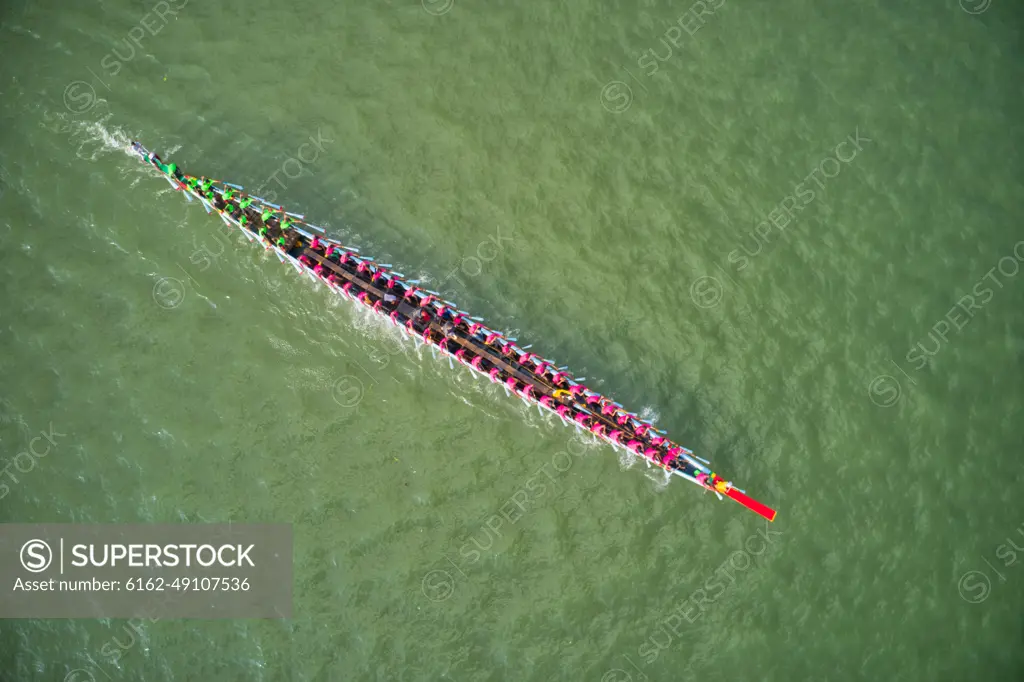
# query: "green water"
[[540, 167]]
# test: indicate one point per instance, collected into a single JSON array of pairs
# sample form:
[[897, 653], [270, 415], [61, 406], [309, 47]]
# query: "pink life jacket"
[[377, 275], [592, 399], [318, 269], [394, 317], [425, 302], [461, 354], [633, 445], [330, 250], [580, 418], [363, 267], [651, 454], [477, 361], [675, 451], [411, 292], [623, 418], [474, 328], [557, 377], [528, 391], [597, 428], [505, 347], [378, 305], [657, 440], [346, 287], [494, 374], [364, 297], [491, 337], [443, 345], [408, 325], [608, 409], [562, 411], [344, 257], [511, 383], [702, 478], [426, 335], [545, 401], [666, 458], [315, 244], [576, 389], [616, 435], [391, 282], [458, 319], [304, 259], [642, 429]]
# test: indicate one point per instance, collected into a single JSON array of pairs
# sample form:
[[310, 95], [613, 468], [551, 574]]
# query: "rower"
[[702, 478], [721, 486]]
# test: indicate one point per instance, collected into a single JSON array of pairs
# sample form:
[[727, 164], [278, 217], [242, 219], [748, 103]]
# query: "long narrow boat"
[[431, 320]]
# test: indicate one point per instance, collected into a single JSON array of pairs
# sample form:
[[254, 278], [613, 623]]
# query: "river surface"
[[790, 233]]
